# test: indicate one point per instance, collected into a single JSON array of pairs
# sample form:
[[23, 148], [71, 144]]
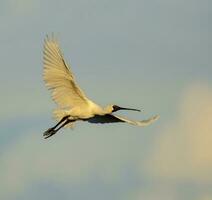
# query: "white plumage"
[[73, 105]]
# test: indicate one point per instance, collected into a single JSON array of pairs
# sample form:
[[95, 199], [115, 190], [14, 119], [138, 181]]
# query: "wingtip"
[[51, 37], [156, 117], [149, 121]]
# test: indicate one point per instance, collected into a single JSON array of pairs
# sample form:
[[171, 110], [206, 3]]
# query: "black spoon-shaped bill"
[[116, 108]]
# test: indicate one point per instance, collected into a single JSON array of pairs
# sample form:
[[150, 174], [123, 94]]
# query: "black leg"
[[62, 120], [53, 131], [65, 123]]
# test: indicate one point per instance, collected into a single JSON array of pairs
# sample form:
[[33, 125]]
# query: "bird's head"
[[114, 108]]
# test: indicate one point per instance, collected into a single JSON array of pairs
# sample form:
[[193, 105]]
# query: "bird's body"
[[73, 104], [86, 111]]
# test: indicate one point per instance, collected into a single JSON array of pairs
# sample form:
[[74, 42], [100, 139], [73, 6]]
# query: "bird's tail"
[[59, 114]]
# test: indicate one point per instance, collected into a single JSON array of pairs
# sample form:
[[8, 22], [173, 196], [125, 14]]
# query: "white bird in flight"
[[73, 104]]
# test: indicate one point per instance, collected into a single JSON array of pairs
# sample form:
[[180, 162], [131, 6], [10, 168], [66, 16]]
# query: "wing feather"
[[145, 122], [59, 78]]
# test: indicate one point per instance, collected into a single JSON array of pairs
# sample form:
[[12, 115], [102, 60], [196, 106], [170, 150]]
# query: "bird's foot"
[[49, 133]]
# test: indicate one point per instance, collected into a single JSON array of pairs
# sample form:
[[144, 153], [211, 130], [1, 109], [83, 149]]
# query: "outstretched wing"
[[114, 118], [59, 78], [145, 122]]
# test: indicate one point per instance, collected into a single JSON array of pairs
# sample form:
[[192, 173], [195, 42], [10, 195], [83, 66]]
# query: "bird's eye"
[[115, 108]]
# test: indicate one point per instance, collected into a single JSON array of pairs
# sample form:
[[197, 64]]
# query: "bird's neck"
[[98, 110], [107, 110]]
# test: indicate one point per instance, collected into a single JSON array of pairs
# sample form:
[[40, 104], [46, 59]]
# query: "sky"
[[151, 55]]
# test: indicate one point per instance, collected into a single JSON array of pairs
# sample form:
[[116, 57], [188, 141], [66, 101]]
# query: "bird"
[[72, 103]]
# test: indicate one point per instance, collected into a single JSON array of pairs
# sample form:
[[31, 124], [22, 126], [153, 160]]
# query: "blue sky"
[[153, 55]]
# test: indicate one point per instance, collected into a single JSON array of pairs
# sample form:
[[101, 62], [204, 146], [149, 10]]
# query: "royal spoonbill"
[[73, 104]]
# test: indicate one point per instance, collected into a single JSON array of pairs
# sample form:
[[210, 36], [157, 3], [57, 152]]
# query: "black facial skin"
[[117, 108]]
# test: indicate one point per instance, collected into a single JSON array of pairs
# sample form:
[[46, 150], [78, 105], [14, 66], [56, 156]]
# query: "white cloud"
[[71, 160], [206, 197], [184, 150]]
